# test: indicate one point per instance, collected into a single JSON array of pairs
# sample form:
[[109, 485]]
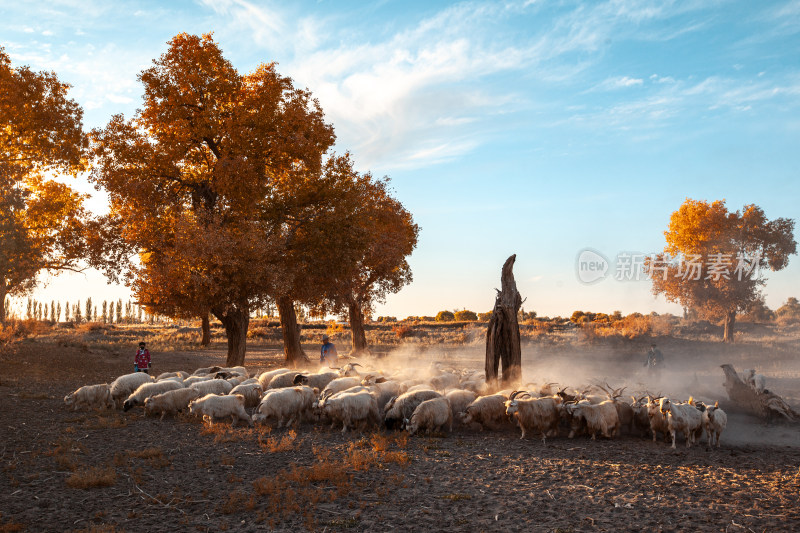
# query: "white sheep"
[[384, 391], [340, 385], [351, 409], [459, 400], [431, 415], [288, 405], [252, 393], [658, 420], [281, 381], [419, 387], [266, 377], [683, 417], [123, 386], [176, 379], [206, 370], [714, 422], [212, 386], [486, 411], [170, 402], [212, 406], [349, 370], [541, 414], [191, 380], [319, 380], [147, 390], [90, 397], [445, 380], [399, 409], [178, 374], [757, 382], [601, 417]]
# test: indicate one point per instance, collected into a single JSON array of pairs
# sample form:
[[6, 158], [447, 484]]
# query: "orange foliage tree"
[[41, 221], [714, 259], [208, 181], [371, 238]]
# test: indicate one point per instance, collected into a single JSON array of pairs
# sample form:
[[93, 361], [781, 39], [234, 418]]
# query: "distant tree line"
[[109, 312]]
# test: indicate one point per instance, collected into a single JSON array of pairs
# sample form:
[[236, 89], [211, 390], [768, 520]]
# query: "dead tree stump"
[[765, 405], [502, 338]]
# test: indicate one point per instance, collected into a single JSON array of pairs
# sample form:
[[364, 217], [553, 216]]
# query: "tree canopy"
[[714, 259], [224, 196], [41, 220], [205, 181]]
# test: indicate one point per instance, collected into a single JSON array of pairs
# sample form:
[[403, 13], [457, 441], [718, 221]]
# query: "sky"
[[536, 128]]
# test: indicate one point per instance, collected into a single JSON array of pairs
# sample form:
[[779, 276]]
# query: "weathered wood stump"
[[502, 338], [765, 405]]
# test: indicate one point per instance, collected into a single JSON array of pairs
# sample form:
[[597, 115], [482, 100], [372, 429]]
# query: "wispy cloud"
[[619, 83]]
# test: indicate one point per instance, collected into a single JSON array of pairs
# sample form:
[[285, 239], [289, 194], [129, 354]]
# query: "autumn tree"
[[363, 255], [209, 180], [41, 220], [714, 259]]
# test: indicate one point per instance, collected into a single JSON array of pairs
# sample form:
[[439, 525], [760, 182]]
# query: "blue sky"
[[538, 128]]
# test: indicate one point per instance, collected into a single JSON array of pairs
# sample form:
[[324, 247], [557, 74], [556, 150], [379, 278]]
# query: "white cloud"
[[410, 91], [662, 79], [47, 33], [619, 83], [118, 99]]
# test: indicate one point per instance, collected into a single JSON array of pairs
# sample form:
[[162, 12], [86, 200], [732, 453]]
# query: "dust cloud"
[[692, 369]]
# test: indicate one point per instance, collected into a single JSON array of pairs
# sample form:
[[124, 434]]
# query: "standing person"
[[142, 361], [328, 354], [655, 359]]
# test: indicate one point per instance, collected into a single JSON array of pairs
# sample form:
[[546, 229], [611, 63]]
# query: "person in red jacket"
[[142, 361]]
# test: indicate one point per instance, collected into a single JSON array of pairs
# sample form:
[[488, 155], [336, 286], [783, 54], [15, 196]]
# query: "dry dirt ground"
[[114, 471]]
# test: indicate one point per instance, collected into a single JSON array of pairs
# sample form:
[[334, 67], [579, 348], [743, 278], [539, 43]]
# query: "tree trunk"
[[730, 322], [359, 336], [291, 333], [3, 293], [236, 322], [503, 349], [765, 405], [206, 328]]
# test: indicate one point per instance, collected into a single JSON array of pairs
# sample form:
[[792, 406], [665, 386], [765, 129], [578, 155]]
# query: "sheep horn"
[[355, 364], [516, 393]]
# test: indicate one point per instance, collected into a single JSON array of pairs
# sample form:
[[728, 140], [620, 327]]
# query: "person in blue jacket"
[[328, 354]]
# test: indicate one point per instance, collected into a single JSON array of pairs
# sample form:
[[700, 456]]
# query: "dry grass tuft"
[[237, 502], [457, 496], [225, 433], [11, 527], [90, 477], [106, 422], [154, 457], [283, 444], [100, 528]]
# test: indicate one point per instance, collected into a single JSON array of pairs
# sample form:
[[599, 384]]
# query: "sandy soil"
[[177, 475]]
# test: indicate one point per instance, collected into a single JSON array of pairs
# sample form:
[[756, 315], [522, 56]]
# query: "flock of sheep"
[[409, 399]]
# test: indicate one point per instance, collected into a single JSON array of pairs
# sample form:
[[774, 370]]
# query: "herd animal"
[[354, 398]]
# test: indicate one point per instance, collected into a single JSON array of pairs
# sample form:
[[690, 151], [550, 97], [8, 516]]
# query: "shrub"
[[384, 319], [788, 313], [485, 317], [445, 316], [402, 331], [464, 316], [91, 476]]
